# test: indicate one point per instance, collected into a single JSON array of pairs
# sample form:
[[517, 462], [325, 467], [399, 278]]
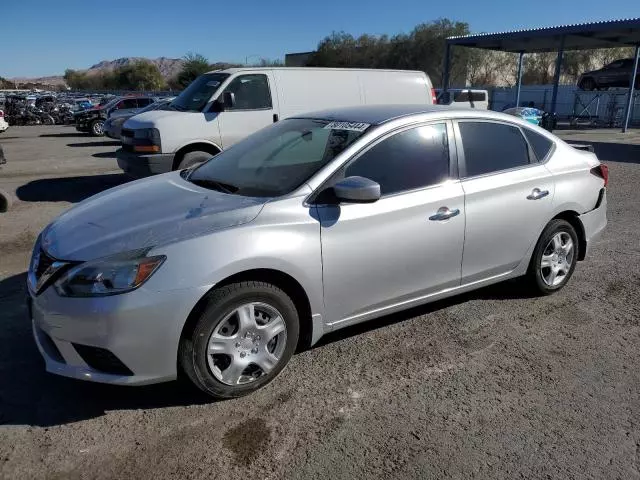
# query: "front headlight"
[[147, 140], [110, 276]]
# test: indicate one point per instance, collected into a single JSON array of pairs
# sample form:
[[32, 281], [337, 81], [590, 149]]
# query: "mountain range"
[[169, 68]]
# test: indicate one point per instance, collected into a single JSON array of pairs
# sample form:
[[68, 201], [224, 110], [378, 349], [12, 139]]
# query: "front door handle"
[[444, 213], [537, 194]]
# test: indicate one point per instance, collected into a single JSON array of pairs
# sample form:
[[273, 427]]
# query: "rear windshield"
[[277, 159]]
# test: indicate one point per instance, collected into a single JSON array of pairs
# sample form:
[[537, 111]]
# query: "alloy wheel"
[[557, 259]]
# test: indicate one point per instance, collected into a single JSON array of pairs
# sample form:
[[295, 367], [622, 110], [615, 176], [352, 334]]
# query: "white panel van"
[[220, 108]]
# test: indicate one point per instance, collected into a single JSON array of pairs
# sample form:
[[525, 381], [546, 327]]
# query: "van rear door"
[[254, 106]]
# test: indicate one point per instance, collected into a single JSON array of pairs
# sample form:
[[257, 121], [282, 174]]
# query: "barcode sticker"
[[353, 126]]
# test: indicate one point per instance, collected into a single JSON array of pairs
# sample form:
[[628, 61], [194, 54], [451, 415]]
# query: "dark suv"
[[92, 120], [616, 74]]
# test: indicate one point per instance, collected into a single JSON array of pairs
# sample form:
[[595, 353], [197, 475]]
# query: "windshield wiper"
[[215, 185]]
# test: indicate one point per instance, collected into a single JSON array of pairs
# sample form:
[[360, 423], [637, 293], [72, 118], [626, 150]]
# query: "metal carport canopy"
[[583, 36]]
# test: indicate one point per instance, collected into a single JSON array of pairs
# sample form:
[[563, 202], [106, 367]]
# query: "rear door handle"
[[444, 213], [537, 194]]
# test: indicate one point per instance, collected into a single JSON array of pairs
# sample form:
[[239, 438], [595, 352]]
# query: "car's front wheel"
[[554, 258], [96, 128], [244, 337]]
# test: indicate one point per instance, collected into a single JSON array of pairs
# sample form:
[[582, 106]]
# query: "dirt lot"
[[493, 384]]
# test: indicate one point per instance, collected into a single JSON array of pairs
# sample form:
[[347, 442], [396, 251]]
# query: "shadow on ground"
[[104, 155], [65, 135], [68, 189], [30, 396], [613, 152], [106, 143]]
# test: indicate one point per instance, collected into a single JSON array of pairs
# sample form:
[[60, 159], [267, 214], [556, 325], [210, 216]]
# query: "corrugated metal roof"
[[556, 27], [576, 36]]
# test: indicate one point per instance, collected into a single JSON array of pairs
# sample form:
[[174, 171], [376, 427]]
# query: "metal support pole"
[[634, 73], [445, 68], [519, 79], [556, 77]]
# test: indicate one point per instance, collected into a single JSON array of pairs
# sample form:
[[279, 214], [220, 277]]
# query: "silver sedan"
[[318, 222]]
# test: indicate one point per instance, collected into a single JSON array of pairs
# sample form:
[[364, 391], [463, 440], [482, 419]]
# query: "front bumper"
[[141, 329], [141, 165]]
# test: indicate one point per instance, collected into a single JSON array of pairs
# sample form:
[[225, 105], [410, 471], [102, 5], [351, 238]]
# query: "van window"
[[412, 159], [466, 96], [251, 92], [491, 147]]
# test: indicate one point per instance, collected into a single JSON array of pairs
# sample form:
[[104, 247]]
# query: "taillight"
[[601, 171], [434, 97]]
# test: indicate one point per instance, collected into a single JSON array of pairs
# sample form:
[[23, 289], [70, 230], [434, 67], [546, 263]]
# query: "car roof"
[[379, 114]]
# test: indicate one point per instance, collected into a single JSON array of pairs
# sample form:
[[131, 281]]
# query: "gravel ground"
[[493, 384]]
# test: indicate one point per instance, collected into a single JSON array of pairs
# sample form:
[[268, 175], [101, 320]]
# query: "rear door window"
[[491, 147], [128, 103]]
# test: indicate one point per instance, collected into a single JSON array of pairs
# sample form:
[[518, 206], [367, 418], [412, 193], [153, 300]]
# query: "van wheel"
[[246, 334], [193, 158]]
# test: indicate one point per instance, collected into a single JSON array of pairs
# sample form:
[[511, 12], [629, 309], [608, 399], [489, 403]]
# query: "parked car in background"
[[3, 122], [463, 97], [318, 222], [616, 74], [220, 108], [113, 125], [82, 104], [534, 116], [92, 120]]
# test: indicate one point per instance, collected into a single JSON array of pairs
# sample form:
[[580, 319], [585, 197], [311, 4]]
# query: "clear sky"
[[43, 37]]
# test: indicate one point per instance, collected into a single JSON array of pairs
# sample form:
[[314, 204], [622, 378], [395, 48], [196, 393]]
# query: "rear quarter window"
[[540, 144]]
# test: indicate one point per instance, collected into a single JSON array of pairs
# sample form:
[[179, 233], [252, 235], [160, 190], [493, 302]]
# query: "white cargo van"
[[220, 108]]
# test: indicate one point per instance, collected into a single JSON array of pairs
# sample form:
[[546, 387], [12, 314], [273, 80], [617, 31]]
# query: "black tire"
[[588, 84], [96, 128], [192, 355], [193, 158], [535, 274]]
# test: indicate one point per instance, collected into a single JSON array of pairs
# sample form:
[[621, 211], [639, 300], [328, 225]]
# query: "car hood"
[[150, 212]]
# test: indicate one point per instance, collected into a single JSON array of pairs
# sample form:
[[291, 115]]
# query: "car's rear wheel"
[[244, 337], [588, 84], [97, 128], [554, 258]]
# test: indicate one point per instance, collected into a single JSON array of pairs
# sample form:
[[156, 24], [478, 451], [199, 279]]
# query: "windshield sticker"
[[353, 126]]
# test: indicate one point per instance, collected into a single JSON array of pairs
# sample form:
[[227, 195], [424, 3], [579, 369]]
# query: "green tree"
[[194, 65], [139, 75]]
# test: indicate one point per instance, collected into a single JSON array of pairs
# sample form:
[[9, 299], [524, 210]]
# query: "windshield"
[[277, 159], [199, 92]]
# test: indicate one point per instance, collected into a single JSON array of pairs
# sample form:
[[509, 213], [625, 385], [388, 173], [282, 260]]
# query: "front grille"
[[46, 263], [102, 360]]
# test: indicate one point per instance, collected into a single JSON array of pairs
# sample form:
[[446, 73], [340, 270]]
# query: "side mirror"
[[357, 190]]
